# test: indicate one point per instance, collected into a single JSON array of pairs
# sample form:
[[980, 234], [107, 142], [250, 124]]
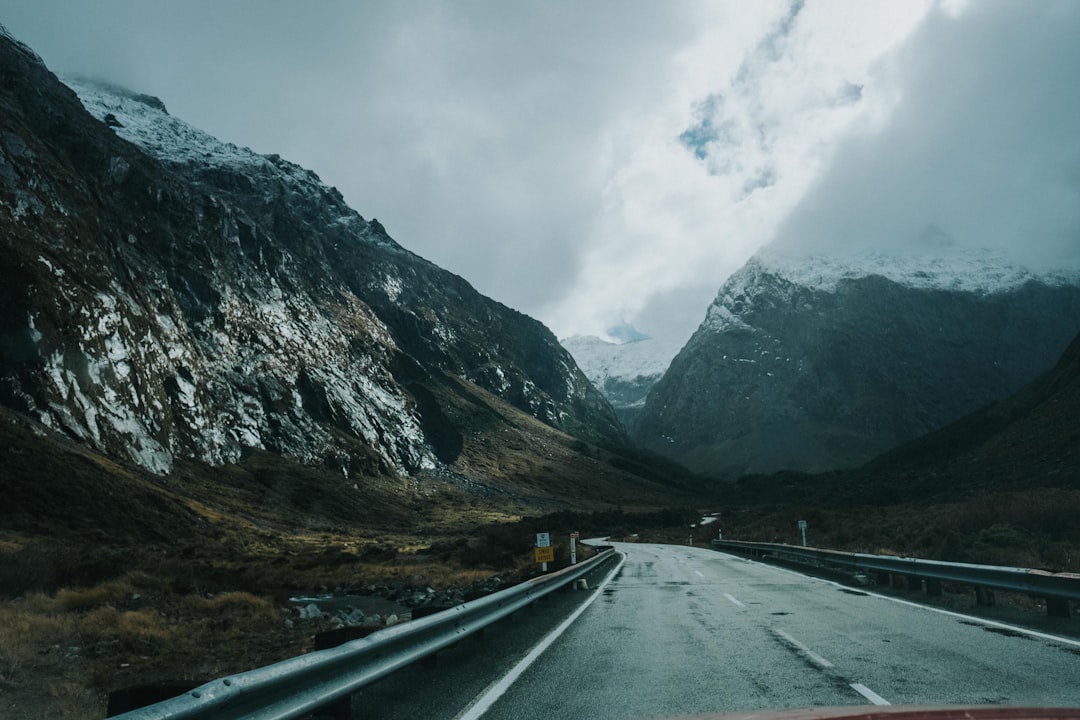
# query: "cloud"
[[607, 162], [982, 144], [761, 100]]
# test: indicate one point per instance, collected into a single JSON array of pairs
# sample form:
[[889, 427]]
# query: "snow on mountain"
[[980, 271], [814, 362], [601, 360], [951, 267], [623, 371], [144, 121]]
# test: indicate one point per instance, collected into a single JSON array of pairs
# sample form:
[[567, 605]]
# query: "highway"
[[681, 630]]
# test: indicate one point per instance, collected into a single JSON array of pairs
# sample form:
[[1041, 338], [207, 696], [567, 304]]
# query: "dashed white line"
[[699, 573], [734, 599], [810, 654], [869, 694]]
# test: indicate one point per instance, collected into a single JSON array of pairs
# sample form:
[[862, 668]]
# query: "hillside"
[[1029, 440], [171, 298], [819, 363], [1000, 486]]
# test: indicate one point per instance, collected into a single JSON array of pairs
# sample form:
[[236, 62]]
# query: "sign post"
[[802, 529], [543, 551], [573, 547]]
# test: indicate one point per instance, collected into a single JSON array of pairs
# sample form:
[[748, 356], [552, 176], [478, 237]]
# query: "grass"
[[83, 613]]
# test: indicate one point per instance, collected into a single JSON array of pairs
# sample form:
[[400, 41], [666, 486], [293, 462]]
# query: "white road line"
[[699, 573], [733, 599], [869, 694], [486, 699], [950, 613], [810, 654]]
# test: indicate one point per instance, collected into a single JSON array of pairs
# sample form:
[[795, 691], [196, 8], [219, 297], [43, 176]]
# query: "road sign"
[[544, 554], [543, 540]]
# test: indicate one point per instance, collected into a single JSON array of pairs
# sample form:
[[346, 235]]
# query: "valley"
[[222, 388]]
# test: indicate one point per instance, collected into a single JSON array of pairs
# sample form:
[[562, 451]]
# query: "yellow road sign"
[[544, 554]]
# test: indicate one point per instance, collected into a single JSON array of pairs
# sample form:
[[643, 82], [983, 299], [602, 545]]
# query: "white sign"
[[802, 524], [543, 539]]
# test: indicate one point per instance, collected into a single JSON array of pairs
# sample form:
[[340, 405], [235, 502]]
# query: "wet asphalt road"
[[682, 630]]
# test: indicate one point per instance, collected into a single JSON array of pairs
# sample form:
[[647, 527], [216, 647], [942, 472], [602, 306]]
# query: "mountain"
[[623, 371], [1028, 440], [169, 297], [812, 363], [1000, 486]]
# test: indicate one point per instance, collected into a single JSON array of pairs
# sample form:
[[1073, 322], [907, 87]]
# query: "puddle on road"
[[1007, 632]]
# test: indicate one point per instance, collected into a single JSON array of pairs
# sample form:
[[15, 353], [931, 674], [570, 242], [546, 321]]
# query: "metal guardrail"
[[1059, 587], [307, 683]]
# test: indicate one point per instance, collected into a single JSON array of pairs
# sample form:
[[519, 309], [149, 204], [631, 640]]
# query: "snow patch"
[[959, 268]]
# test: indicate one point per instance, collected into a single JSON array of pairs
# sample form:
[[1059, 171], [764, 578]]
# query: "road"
[[680, 630]]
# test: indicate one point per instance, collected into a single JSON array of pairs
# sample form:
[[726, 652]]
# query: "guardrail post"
[[984, 596], [1058, 607]]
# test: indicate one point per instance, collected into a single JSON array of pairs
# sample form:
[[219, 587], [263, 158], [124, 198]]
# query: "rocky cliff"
[[817, 363], [167, 295]]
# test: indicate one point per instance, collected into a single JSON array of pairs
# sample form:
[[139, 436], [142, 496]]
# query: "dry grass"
[[188, 582], [60, 654], [82, 598]]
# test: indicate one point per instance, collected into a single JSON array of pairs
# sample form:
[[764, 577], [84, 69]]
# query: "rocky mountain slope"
[[818, 363], [167, 296]]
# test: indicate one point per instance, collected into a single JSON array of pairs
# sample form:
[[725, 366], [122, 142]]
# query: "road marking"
[[699, 573], [950, 613], [869, 694], [733, 599], [810, 654], [486, 699]]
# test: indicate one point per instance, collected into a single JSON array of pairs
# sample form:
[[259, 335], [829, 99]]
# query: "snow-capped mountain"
[[623, 371], [817, 362], [171, 296]]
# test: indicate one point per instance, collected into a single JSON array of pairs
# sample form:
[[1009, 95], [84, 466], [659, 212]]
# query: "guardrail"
[[1058, 589], [311, 682]]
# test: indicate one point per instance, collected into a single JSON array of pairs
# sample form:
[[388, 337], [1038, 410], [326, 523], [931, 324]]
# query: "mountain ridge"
[[165, 307], [818, 366]]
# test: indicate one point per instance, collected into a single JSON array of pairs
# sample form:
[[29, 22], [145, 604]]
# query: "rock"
[[310, 611]]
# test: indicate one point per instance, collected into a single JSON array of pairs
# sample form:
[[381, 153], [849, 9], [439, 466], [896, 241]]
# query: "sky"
[[611, 162]]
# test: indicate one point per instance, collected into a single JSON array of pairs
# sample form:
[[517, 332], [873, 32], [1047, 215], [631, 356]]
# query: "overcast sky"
[[598, 162]]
